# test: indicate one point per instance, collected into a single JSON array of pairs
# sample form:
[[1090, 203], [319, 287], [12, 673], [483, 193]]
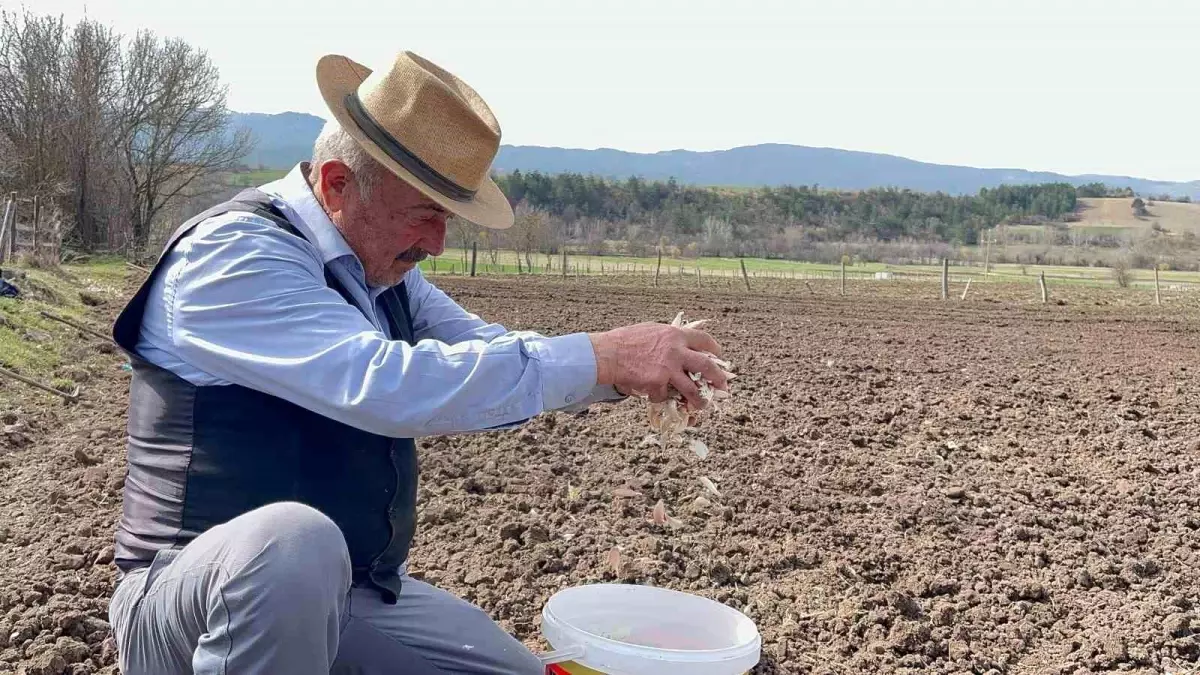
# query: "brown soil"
[[61, 471], [982, 486]]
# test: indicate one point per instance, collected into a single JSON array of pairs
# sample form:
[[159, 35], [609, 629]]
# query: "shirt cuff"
[[601, 393], [568, 368]]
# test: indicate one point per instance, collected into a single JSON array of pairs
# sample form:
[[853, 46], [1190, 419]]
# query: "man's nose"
[[435, 237]]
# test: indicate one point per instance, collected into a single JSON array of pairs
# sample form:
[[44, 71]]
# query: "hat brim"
[[338, 76]]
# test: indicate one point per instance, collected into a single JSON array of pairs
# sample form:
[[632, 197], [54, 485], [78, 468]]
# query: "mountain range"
[[281, 140], [286, 138]]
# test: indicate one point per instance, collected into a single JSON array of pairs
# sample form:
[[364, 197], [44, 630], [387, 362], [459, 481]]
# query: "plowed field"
[[982, 486]]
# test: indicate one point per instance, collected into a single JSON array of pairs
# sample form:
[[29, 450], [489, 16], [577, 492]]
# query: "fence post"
[[12, 228], [519, 272], [965, 290], [1157, 297], [658, 267], [843, 276], [987, 256], [945, 278], [564, 262], [1042, 285], [37, 212], [698, 283], [745, 277], [56, 240], [5, 227], [473, 252]]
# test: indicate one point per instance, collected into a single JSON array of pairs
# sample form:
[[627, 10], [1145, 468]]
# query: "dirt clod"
[[105, 556], [956, 492], [49, 662], [71, 650], [537, 534], [83, 458], [511, 531], [1178, 625]]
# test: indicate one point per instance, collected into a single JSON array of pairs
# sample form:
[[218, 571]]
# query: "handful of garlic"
[[668, 421], [670, 418]]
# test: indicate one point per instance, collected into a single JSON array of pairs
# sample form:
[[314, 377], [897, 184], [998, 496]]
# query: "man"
[[286, 350]]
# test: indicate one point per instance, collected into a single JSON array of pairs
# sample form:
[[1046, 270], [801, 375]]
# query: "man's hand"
[[649, 358]]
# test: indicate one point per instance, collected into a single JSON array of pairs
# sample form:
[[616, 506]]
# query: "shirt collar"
[[293, 195]]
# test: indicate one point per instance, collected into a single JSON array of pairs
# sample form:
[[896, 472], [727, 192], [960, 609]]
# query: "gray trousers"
[[270, 592]]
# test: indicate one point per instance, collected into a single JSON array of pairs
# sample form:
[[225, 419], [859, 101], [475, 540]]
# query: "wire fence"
[[748, 271], [29, 229]]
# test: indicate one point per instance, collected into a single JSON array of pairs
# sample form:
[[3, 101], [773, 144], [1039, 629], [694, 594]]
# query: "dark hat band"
[[401, 155]]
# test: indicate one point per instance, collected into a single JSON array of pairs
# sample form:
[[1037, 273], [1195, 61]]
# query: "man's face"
[[391, 231]]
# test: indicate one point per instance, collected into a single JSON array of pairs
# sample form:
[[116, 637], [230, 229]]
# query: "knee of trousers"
[[297, 545]]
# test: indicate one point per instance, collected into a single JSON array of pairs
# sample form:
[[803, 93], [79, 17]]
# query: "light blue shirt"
[[242, 301]]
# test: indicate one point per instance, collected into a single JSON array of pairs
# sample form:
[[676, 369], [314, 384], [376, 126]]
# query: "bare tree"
[[462, 233], [717, 236], [8, 162], [528, 231], [1120, 270], [594, 232], [490, 240], [552, 239], [111, 133], [31, 56], [92, 73], [174, 129]]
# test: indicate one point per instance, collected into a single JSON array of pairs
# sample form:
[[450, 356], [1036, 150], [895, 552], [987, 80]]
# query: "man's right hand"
[[649, 358]]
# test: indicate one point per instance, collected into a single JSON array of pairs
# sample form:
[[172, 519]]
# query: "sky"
[[1072, 86]]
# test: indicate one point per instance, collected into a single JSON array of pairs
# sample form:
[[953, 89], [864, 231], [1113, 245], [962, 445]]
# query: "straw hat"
[[425, 125]]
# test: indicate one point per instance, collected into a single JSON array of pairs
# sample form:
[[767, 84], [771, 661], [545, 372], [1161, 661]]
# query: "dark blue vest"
[[199, 456]]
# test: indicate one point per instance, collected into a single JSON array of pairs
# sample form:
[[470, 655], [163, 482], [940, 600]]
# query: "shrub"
[[1120, 272]]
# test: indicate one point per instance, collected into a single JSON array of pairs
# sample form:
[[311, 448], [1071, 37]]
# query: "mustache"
[[413, 255]]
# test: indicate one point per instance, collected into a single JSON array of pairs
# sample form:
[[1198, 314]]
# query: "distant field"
[[1118, 213], [453, 261]]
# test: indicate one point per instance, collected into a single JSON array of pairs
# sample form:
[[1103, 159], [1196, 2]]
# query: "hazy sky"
[[1075, 86]]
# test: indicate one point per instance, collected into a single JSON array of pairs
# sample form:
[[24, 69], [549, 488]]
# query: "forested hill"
[[286, 138], [777, 164], [760, 213]]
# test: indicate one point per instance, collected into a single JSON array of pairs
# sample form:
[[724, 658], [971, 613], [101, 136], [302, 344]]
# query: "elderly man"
[[286, 350]]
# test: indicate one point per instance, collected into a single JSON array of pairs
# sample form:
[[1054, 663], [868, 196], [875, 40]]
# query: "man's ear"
[[334, 179]]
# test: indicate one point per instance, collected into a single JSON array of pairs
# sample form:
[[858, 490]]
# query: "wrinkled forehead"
[[397, 194]]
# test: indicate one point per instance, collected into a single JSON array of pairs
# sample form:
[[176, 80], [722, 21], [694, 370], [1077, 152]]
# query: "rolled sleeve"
[[567, 364]]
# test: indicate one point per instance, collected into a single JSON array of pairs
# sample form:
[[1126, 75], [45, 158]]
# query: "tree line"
[[112, 131], [1101, 190], [591, 212]]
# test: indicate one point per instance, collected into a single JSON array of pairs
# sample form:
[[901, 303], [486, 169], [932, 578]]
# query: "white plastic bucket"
[[620, 629]]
